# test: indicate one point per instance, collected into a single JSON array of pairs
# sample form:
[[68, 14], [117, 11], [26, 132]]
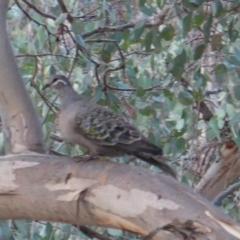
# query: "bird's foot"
[[86, 158]]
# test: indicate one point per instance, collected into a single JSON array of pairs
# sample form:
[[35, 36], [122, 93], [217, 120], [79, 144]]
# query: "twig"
[[45, 15], [64, 10], [92, 234], [125, 26], [218, 199]]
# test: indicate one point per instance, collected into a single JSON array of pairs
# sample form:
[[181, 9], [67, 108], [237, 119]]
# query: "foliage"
[[164, 64]]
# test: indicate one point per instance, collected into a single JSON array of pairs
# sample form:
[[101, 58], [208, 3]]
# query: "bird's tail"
[[156, 160]]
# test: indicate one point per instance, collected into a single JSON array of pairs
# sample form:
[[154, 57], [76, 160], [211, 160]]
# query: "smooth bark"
[[103, 193], [21, 125]]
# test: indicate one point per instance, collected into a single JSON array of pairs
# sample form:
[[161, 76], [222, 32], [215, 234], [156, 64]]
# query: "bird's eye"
[[54, 80]]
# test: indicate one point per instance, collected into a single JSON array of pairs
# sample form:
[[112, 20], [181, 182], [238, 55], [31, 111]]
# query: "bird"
[[100, 130]]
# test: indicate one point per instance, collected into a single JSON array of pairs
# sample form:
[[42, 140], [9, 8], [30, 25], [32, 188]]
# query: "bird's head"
[[57, 82]]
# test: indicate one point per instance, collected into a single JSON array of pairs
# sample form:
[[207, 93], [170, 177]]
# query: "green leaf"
[[233, 33], [197, 20], [180, 144], [147, 111], [142, 2], [199, 51], [148, 9], [178, 64], [236, 53], [197, 2], [80, 40], [186, 24], [180, 124], [235, 119], [106, 55], [113, 98], [48, 230], [207, 28], [236, 91], [140, 92], [77, 27], [98, 92], [160, 3], [115, 232], [148, 40], [167, 32], [220, 73], [217, 8], [23, 227], [185, 98], [61, 18], [137, 33], [213, 123]]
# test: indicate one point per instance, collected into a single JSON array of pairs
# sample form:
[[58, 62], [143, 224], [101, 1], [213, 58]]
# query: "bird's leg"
[[86, 158]]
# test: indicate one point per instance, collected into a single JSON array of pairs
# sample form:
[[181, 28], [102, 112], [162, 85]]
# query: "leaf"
[[115, 232], [98, 92], [235, 119], [147, 111], [216, 41], [148, 40], [180, 144], [160, 3], [186, 24], [80, 40], [185, 98], [197, 20], [178, 64], [236, 91], [48, 230], [148, 9], [180, 124], [236, 53], [140, 92], [61, 18], [233, 33], [213, 123], [220, 73], [207, 28], [106, 55], [197, 2], [23, 227], [199, 51], [142, 2], [217, 8], [113, 98], [167, 32]]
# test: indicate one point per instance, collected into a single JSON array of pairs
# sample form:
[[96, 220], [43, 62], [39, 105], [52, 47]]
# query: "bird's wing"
[[105, 127]]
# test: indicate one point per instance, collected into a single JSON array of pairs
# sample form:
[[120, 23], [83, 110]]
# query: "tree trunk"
[[21, 125]]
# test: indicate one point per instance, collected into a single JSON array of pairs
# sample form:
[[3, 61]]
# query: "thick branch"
[[22, 129], [108, 194]]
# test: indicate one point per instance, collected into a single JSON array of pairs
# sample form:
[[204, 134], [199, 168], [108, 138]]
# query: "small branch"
[[125, 26], [31, 19], [92, 234], [45, 15], [218, 199], [64, 10]]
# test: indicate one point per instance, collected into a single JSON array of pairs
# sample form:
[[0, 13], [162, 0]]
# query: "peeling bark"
[[102, 193], [21, 125]]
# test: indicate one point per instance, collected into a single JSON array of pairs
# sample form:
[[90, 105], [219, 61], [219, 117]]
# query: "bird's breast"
[[69, 133]]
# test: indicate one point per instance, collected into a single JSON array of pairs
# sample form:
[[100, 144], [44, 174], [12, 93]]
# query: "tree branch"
[[218, 199], [107, 194]]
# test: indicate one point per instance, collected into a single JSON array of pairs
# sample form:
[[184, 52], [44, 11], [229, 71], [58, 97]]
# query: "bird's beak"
[[46, 86]]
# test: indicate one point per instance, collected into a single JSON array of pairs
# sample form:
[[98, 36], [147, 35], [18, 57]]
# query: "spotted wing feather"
[[105, 127]]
